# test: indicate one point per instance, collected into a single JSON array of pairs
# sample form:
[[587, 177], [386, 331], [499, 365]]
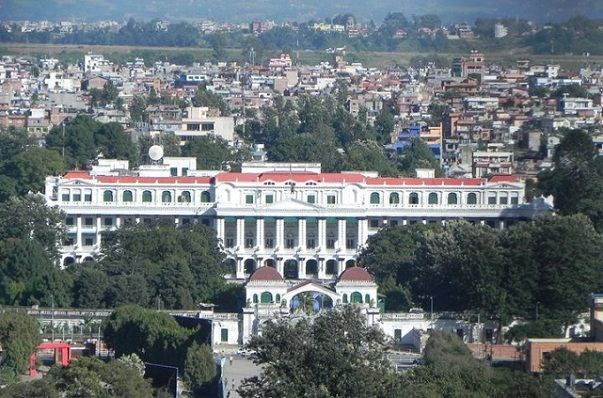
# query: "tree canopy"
[[333, 355]]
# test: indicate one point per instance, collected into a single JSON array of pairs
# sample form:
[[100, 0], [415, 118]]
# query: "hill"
[[448, 10]]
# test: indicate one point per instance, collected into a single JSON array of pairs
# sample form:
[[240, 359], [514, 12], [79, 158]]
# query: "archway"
[[310, 303], [331, 267], [290, 269], [350, 264], [231, 266], [270, 263], [88, 259], [249, 266], [312, 267], [67, 261]]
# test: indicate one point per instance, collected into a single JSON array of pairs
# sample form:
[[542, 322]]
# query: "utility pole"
[[431, 312]]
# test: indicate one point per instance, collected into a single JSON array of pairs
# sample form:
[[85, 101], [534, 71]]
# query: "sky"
[[449, 11]]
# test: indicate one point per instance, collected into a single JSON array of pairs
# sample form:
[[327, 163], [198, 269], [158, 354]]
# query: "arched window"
[[432, 199], [367, 298], [278, 298], [166, 196], [108, 196], [394, 198], [345, 298], [331, 267], [452, 199], [185, 197], [255, 298], [356, 298], [147, 196], [205, 197], [266, 298], [472, 199], [127, 196], [375, 198], [413, 198]]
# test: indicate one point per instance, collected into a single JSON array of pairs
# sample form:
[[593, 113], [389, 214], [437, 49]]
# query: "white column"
[[340, 266], [240, 233], [98, 231], [322, 269], [322, 233], [78, 232], [301, 234], [280, 266], [240, 274], [259, 231], [301, 268], [280, 233], [220, 229], [405, 222], [118, 222], [501, 224], [362, 231], [341, 233]]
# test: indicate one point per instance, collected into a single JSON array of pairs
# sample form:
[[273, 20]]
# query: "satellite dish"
[[155, 152]]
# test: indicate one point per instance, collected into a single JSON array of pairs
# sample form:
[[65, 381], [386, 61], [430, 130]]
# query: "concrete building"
[[305, 223]]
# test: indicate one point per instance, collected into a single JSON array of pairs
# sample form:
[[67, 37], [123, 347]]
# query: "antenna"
[[155, 153]]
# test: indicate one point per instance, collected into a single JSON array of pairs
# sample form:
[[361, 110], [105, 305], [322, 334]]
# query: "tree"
[[76, 138], [335, 355], [180, 266], [451, 371], [90, 377], [203, 97], [418, 155], [368, 155], [138, 108], [213, 153], [540, 328], [19, 337], [575, 182], [89, 286], [30, 168], [459, 266], [29, 218], [29, 277], [153, 336], [114, 143], [199, 367]]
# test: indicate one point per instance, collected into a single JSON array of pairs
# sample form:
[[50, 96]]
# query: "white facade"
[[307, 224], [200, 122]]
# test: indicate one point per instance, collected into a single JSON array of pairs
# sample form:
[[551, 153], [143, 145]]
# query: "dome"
[[355, 274], [266, 273]]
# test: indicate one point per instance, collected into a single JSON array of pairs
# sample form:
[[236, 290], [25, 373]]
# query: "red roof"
[[152, 180], [297, 177], [503, 178], [266, 273], [356, 274]]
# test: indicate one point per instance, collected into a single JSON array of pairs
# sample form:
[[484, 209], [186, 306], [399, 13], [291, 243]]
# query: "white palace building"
[[288, 230], [305, 223]]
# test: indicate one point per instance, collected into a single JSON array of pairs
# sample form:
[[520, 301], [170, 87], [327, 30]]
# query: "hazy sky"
[[300, 10]]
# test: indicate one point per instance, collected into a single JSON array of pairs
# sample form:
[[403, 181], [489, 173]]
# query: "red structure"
[[62, 355]]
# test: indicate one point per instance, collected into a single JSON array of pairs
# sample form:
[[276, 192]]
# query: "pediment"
[[292, 204], [310, 286]]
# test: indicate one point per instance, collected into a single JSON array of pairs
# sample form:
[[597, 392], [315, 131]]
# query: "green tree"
[[29, 218], [76, 138], [575, 182], [204, 97], [113, 142], [199, 367], [29, 277], [213, 153], [30, 168], [19, 337], [368, 155], [153, 336], [90, 377], [336, 355], [182, 265], [138, 108], [89, 286], [31, 389], [418, 155]]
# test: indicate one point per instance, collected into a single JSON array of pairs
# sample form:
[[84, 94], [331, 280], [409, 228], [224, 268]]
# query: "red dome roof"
[[266, 274], [356, 274]]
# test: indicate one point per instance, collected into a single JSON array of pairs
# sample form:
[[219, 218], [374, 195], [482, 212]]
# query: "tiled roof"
[[266, 273], [356, 274]]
